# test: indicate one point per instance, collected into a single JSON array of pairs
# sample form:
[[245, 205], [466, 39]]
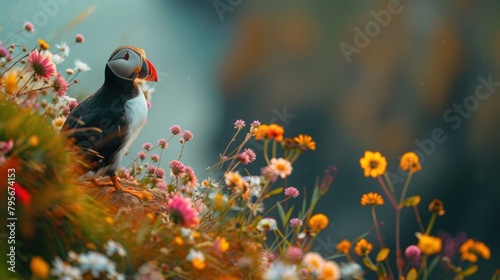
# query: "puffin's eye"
[[126, 56]]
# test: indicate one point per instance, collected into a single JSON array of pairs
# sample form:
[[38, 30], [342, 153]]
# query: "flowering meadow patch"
[[219, 225]]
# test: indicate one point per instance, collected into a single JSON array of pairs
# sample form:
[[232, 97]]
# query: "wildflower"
[[81, 66], [64, 271], [272, 131], [147, 146], [255, 124], [318, 222], [159, 173], [59, 85], [313, 261], [176, 167], [155, 158], [151, 169], [221, 245], [96, 263], [256, 208], [175, 129], [372, 199], [113, 247], [243, 158], [351, 270], [163, 143], [305, 142], [363, 247], [251, 154], [10, 83], [279, 270], [429, 245], [34, 141], [267, 224], [189, 177], [412, 252], [22, 194], [471, 249], [39, 267], [70, 71], [58, 123], [291, 192], [57, 59], [294, 253], [281, 167], [6, 146], [28, 26], [187, 135], [141, 155], [239, 124], [295, 223], [41, 65], [436, 206], [373, 163], [197, 259], [43, 45], [409, 161], [182, 212], [5, 53], [79, 38], [64, 48], [329, 271], [233, 179], [219, 201], [344, 246]]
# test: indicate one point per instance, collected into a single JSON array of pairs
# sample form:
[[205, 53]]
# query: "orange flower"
[[363, 247], [305, 142], [39, 267], [43, 45], [372, 199], [344, 246], [470, 249], [272, 131], [373, 164], [436, 206], [318, 222], [429, 245], [410, 161]]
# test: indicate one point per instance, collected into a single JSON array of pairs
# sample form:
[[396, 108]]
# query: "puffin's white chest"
[[136, 110]]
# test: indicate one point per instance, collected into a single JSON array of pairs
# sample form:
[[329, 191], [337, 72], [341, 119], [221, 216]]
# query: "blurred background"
[[389, 76]]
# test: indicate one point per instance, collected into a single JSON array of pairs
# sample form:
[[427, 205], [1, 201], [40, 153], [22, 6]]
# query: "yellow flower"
[[197, 259], [39, 267], [34, 141], [344, 246], [470, 249], [373, 164], [329, 271], [436, 206], [429, 245], [43, 45], [318, 222], [313, 261], [363, 247], [272, 131], [409, 161], [233, 179], [305, 142], [372, 199], [10, 83], [221, 245]]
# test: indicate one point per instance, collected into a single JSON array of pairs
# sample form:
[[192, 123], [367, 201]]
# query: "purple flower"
[[251, 154], [291, 192], [295, 223], [239, 124]]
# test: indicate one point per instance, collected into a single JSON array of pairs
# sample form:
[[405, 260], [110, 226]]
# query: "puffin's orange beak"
[[148, 71]]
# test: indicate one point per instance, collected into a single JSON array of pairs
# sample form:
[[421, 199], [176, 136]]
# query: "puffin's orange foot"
[[99, 184], [141, 195]]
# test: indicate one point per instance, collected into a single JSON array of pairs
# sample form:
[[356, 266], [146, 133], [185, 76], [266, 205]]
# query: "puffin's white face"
[[130, 63]]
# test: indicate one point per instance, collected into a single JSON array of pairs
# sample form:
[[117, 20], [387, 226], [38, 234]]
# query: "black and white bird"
[[105, 124]]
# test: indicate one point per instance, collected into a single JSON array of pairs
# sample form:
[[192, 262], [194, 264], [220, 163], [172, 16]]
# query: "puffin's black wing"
[[98, 129]]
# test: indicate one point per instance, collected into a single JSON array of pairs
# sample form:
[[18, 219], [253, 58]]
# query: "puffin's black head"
[[130, 63]]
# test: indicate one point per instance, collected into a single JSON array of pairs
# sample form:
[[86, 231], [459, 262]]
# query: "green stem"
[[431, 223], [389, 195], [405, 187]]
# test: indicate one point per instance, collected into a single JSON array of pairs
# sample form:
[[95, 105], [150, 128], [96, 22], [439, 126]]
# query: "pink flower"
[[175, 129], [295, 223], [187, 135], [147, 146], [151, 169], [6, 146], [79, 38], [294, 253], [73, 103], [281, 167], [291, 192], [251, 154], [176, 167], [60, 85], [28, 26], [189, 177], [43, 66], [182, 212], [159, 172], [163, 143], [141, 155], [155, 158], [239, 124], [412, 252], [243, 158], [255, 124]]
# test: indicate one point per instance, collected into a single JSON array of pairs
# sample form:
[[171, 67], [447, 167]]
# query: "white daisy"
[[81, 66], [64, 48], [57, 58]]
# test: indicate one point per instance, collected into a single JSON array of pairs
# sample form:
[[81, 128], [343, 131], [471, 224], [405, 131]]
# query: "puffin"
[[106, 123]]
